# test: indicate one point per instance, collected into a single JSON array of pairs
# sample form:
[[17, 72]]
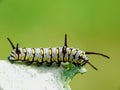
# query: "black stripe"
[[12, 52], [12, 56], [59, 62], [50, 55], [57, 49], [69, 55], [18, 55], [25, 54], [83, 61], [64, 52]]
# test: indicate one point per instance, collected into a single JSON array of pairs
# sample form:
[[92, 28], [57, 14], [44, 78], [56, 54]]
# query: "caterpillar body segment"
[[47, 55], [51, 55]]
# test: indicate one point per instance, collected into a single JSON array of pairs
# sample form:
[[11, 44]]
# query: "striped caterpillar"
[[51, 55]]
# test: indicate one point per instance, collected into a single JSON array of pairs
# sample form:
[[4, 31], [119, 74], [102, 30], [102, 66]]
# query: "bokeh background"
[[91, 25]]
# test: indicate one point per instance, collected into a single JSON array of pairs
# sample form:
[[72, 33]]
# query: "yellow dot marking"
[[69, 51], [75, 61], [35, 59], [20, 57], [56, 60], [30, 58], [39, 60], [48, 59], [26, 58], [65, 59], [79, 61], [24, 50], [82, 54], [60, 59], [41, 51], [33, 51], [74, 52]]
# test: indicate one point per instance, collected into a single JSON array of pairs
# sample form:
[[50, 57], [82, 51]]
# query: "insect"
[[51, 55]]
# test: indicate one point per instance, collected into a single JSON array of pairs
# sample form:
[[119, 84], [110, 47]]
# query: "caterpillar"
[[51, 55]]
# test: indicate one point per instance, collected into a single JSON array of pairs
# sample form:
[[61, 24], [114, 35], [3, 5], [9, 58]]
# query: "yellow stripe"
[[82, 54], [26, 58], [79, 61], [75, 61], [30, 58], [35, 59], [57, 52], [24, 50], [69, 51], [74, 52], [39, 60], [66, 59], [20, 57], [41, 52], [33, 51]]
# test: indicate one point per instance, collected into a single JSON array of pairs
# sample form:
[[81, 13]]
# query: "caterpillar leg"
[[11, 61], [49, 64], [58, 64], [39, 63], [29, 62]]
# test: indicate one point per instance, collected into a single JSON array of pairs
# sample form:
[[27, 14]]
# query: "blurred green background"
[[91, 25]]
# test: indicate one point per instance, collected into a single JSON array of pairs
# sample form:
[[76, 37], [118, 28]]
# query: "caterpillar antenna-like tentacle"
[[17, 48], [92, 66], [65, 42], [13, 47], [98, 54]]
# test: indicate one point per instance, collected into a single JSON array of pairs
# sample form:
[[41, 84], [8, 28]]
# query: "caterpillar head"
[[14, 55], [84, 57]]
